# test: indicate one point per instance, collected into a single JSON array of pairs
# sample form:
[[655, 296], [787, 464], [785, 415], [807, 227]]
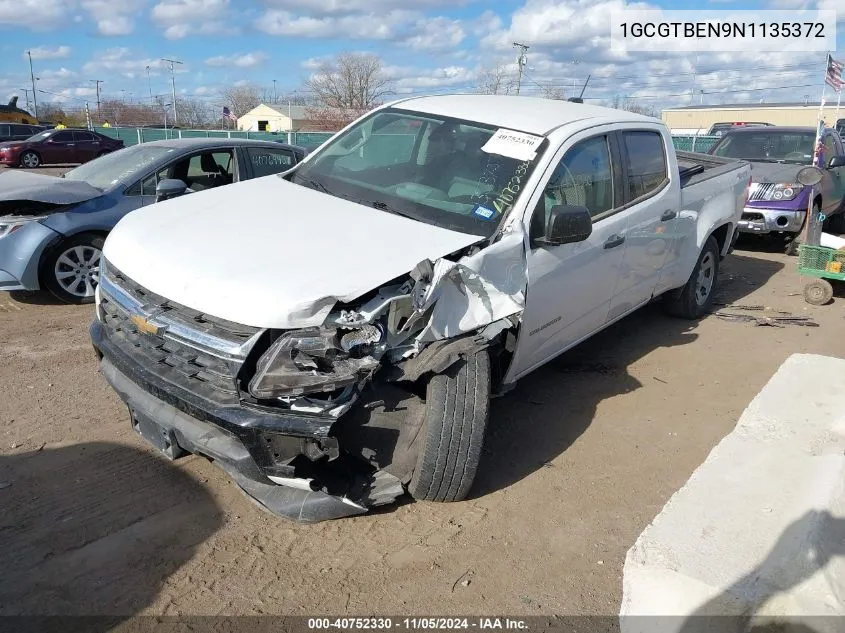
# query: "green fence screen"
[[133, 135]]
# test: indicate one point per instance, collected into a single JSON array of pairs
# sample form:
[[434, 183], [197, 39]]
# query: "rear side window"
[[4, 130], [266, 161], [83, 136], [646, 162]]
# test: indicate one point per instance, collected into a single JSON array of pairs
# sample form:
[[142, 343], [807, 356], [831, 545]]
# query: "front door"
[[58, 148], [833, 180], [87, 146], [570, 286]]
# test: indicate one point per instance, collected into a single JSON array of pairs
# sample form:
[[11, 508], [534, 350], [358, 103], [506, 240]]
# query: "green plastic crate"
[[813, 261]]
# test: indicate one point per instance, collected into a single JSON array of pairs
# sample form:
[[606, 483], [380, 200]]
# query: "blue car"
[[52, 229]]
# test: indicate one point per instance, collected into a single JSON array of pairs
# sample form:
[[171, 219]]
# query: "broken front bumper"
[[20, 255], [241, 440]]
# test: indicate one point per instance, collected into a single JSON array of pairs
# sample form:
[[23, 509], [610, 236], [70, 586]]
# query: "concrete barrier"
[[758, 531]]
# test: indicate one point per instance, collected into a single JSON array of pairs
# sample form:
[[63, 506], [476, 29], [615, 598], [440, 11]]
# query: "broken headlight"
[[315, 361], [9, 225]]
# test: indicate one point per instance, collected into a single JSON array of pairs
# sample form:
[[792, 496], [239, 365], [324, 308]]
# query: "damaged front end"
[[313, 423]]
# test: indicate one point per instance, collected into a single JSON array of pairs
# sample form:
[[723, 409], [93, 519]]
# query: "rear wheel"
[[71, 271], [30, 160], [457, 408], [696, 297]]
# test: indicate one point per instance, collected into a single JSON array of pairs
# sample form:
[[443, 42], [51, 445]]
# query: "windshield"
[[775, 147], [427, 167], [120, 166]]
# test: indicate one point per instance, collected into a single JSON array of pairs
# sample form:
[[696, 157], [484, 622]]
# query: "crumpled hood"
[[21, 185], [268, 253], [775, 172]]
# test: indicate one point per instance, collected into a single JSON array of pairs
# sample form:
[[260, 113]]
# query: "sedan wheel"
[[72, 270], [30, 160]]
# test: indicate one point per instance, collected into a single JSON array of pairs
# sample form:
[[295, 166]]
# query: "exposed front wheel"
[[818, 292], [71, 271], [696, 297], [30, 160], [457, 408]]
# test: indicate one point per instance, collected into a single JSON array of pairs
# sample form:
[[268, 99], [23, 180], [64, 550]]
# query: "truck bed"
[[695, 168]]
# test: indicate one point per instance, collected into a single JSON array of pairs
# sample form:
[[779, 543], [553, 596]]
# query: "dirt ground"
[[580, 457]]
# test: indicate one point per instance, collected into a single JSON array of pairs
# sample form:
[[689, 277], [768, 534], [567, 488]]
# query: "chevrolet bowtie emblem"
[[144, 325]]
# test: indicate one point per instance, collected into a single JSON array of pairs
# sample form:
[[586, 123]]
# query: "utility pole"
[[274, 91], [98, 82], [173, 86], [32, 76], [520, 62], [26, 95], [149, 86]]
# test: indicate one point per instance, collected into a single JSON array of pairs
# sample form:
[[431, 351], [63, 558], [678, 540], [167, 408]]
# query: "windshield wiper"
[[314, 184], [383, 206]]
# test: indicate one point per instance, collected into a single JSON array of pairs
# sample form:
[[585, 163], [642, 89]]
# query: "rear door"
[[651, 209], [87, 146]]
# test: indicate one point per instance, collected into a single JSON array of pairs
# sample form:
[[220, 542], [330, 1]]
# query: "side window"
[[4, 130], [646, 163], [83, 136], [829, 148], [266, 161], [582, 178], [147, 187], [63, 137], [206, 170]]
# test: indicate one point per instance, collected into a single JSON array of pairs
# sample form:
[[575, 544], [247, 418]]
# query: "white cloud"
[[181, 18], [410, 79], [362, 26], [121, 60], [436, 34], [112, 18], [44, 52], [117, 25], [238, 61], [35, 15], [350, 7]]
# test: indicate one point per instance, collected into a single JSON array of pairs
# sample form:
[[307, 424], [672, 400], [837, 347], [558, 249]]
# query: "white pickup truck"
[[332, 336]]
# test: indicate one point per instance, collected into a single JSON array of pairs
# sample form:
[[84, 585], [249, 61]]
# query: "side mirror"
[[567, 224], [170, 188], [836, 161]]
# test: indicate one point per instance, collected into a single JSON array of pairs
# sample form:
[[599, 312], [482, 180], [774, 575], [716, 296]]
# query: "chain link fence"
[[694, 143]]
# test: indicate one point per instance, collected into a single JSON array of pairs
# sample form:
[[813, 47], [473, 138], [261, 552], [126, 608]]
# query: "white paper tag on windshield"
[[518, 145]]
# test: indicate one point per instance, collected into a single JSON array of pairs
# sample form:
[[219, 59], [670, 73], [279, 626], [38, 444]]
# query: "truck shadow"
[[551, 408], [94, 529]]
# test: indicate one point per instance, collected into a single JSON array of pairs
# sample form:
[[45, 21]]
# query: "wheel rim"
[[816, 293], [30, 160], [704, 282], [78, 270]]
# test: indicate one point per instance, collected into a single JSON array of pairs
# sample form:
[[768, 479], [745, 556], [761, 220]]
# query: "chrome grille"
[[200, 353]]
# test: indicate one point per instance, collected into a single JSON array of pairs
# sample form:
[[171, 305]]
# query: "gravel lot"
[[580, 457]]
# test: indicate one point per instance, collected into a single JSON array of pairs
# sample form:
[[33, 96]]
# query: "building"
[[273, 117], [699, 118], [11, 113]]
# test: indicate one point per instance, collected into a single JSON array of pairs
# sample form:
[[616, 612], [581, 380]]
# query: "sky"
[[427, 46]]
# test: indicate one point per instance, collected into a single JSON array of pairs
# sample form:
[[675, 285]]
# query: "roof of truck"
[[526, 114]]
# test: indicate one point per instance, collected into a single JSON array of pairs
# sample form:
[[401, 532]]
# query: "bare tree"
[[353, 81], [495, 82], [553, 92], [630, 105], [241, 99], [193, 113]]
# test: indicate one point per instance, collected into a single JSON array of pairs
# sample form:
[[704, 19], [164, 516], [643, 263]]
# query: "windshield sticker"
[[517, 145], [484, 213]]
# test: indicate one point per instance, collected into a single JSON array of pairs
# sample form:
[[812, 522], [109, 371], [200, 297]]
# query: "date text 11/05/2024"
[[434, 623]]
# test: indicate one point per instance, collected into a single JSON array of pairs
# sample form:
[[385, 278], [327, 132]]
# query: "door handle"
[[614, 240], [668, 215]]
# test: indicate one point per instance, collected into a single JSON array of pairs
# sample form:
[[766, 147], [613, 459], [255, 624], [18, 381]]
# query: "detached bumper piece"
[[256, 447]]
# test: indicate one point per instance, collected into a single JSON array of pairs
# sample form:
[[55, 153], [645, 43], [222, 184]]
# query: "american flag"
[[833, 76], [228, 114]]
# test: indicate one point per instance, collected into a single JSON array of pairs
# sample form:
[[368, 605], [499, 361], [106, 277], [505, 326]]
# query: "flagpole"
[[838, 101], [809, 219]]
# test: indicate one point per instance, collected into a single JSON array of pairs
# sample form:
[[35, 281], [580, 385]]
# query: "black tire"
[[688, 302], [457, 409], [818, 292], [30, 160], [54, 264]]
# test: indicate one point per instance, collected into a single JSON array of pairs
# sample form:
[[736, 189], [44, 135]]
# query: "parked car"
[[51, 147], [331, 337], [717, 129], [18, 131], [777, 202], [52, 229]]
